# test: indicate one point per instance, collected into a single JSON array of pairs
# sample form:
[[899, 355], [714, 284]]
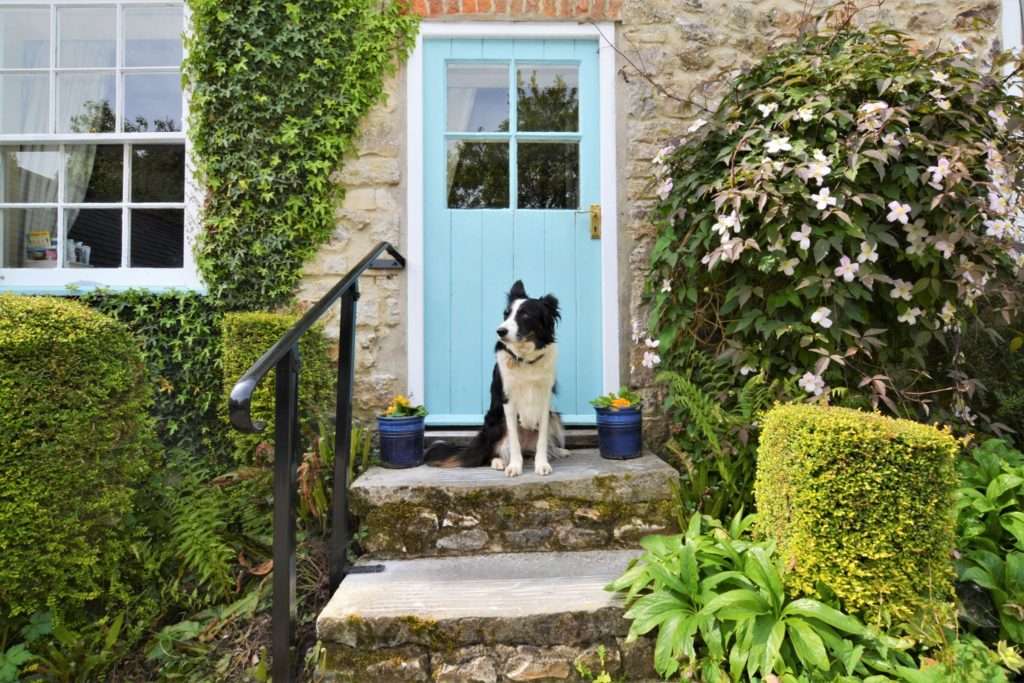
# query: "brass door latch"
[[595, 221]]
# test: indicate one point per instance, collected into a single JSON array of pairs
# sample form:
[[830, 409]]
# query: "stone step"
[[586, 503], [575, 437], [489, 618]]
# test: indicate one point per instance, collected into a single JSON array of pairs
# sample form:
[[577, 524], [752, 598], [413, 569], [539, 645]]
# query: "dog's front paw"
[[558, 452], [498, 464], [542, 468], [513, 469]]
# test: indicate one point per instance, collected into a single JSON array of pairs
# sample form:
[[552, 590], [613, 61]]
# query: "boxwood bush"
[[245, 337], [76, 439], [860, 503]]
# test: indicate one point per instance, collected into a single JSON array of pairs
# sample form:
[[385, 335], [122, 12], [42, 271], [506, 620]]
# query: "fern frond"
[[700, 406]]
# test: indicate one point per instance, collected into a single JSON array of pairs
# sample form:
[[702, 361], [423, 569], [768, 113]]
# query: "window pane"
[[547, 98], [477, 97], [28, 174], [28, 238], [24, 103], [477, 175], [548, 175], [158, 238], [93, 173], [86, 36], [24, 38], [94, 238], [158, 173], [85, 103], [153, 36], [152, 102]]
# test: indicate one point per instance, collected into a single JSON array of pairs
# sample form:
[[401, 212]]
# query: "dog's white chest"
[[528, 385]]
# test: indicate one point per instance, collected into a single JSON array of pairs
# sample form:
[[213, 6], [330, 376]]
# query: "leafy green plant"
[[715, 432], [990, 537], [601, 676], [721, 610], [278, 91], [843, 212], [624, 398], [79, 656]]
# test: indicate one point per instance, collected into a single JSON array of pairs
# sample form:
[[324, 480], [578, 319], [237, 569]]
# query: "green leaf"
[[812, 609], [808, 644], [736, 604]]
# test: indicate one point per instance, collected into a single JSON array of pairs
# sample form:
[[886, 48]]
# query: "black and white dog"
[[522, 386]]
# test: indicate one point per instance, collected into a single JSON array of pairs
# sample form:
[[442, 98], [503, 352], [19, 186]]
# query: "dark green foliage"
[[279, 89], [990, 539], [997, 362], [860, 503], [76, 440], [180, 337], [715, 434], [246, 336]]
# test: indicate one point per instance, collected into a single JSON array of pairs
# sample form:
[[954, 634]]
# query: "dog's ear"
[[518, 291], [551, 303]]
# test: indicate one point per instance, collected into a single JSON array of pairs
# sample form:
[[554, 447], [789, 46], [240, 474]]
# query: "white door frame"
[[605, 34]]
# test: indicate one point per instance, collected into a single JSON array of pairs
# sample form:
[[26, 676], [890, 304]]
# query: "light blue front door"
[[511, 169]]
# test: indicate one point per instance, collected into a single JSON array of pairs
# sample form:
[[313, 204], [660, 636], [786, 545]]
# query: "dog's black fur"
[[536, 319]]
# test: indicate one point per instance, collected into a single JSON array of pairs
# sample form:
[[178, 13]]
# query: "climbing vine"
[[278, 90]]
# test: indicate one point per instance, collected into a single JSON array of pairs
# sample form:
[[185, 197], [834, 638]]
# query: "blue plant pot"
[[619, 433], [401, 441]]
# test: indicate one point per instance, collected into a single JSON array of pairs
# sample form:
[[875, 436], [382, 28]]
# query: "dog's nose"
[[502, 332]]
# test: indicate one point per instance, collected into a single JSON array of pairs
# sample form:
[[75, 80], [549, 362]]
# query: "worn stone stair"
[[488, 579]]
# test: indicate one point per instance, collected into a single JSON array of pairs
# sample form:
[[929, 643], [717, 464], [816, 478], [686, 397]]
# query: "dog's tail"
[[444, 454]]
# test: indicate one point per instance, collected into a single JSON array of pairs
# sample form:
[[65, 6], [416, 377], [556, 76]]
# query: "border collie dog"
[[522, 385]]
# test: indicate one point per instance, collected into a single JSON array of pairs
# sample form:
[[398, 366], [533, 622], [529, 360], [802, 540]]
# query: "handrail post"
[[286, 455], [340, 533]]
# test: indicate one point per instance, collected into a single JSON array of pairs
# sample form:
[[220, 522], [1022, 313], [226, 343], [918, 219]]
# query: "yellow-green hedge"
[[76, 439], [245, 337], [860, 503]]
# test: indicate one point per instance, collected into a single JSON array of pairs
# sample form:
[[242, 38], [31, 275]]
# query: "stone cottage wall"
[[690, 47]]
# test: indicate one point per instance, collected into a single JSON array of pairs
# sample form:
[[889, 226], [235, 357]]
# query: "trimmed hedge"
[[244, 338], [860, 503], [76, 439]]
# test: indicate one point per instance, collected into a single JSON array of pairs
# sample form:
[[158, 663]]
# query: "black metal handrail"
[[283, 357]]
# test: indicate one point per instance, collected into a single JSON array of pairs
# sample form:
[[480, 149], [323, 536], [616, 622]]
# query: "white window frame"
[[1012, 24], [604, 33], [71, 280]]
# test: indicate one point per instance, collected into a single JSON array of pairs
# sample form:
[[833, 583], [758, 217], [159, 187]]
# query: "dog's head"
[[529, 323]]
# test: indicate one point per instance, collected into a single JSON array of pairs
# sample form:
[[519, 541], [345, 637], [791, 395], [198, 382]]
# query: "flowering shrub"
[[840, 217], [401, 406], [618, 401]]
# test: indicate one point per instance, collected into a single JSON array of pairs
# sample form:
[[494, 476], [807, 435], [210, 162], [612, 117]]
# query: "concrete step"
[[575, 437], [506, 617], [587, 503]]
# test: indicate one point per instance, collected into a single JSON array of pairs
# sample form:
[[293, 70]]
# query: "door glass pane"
[[548, 175], [158, 238], [24, 103], [478, 97], [86, 36], [28, 174], [93, 173], [94, 238], [477, 175], [85, 102], [28, 238], [24, 38], [152, 36], [158, 173], [152, 102], [547, 98]]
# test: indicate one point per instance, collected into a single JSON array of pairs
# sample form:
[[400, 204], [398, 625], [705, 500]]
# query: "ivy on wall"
[[278, 90]]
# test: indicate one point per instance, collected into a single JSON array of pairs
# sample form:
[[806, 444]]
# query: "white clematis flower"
[[901, 289], [910, 315], [899, 213], [651, 359], [666, 285], [802, 237], [868, 252], [823, 199], [847, 269], [697, 125], [778, 144], [1000, 117], [812, 384], [768, 109], [665, 189], [948, 313], [805, 114], [789, 266], [652, 343], [940, 77], [822, 316]]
